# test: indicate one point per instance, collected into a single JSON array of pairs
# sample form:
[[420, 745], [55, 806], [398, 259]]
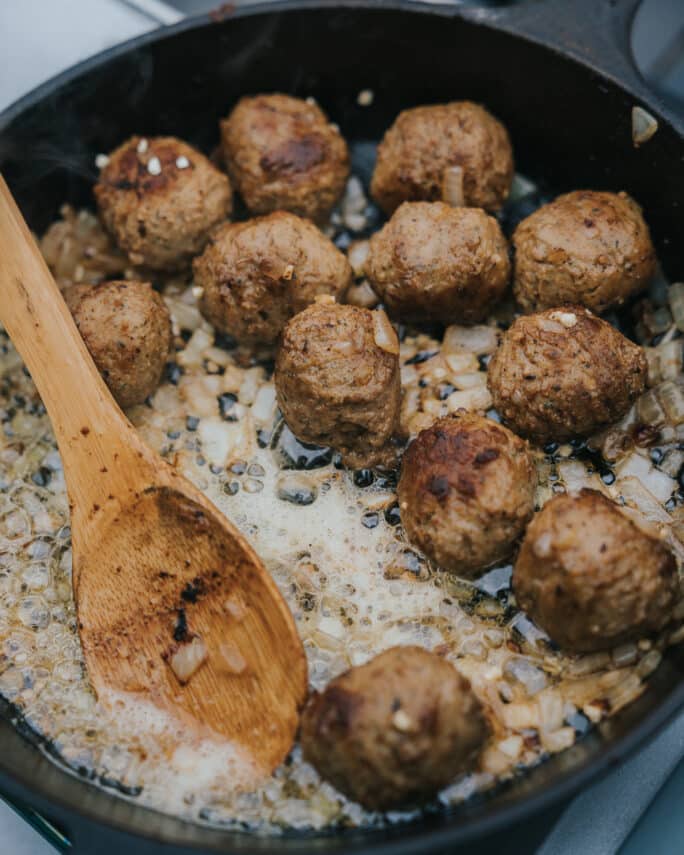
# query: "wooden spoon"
[[178, 617]]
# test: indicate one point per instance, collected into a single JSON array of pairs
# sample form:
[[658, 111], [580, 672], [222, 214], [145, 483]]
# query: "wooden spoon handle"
[[81, 408]]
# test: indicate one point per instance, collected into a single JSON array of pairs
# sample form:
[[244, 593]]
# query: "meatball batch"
[[284, 154], [433, 262], [337, 380], [421, 146], [126, 326], [257, 274], [160, 198], [586, 247], [590, 577], [393, 732], [564, 373], [466, 492]]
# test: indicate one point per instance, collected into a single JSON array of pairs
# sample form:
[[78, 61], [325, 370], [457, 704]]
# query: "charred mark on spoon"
[[180, 630]]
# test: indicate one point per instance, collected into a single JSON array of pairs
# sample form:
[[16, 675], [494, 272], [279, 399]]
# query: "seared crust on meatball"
[[433, 262], [126, 326], [590, 577], [424, 141], [337, 380], [466, 492], [160, 198], [563, 373], [283, 153], [257, 274], [395, 731], [585, 247]]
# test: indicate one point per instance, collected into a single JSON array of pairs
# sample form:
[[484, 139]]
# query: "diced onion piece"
[[649, 409], [615, 444], [362, 295], [494, 762], [324, 299], [672, 462], [567, 319], [218, 355], [575, 476], [634, 464], [470, 380], [511, 747], [649, 663], [548, 324], [184, 315], [671, 397], [653, 359], [461, 363], [452, 186], [477, 339], [384, 334], [670, 359], [233, 660], [264, 403], [518, 716], [635, 494], [658, 483], [188, 658], [193, 354], [250, 385], [357, 255], [625, 654], [558, 740], [222, 439], [354, 200], [644, 125], [477, 398], [409, 375], [235, 609], [550, 710], [675, 296]]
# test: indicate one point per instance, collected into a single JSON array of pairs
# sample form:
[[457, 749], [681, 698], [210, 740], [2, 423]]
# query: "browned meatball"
[[466, 492], [283, 153], [159, 197], [563, 373], [425, 141], [337, 380], [585, 247], [592, 578], [258, 274], [395, 731], [432, 262], [126, 326]]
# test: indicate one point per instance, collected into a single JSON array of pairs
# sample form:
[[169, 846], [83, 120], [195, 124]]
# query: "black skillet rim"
[[419, 833]]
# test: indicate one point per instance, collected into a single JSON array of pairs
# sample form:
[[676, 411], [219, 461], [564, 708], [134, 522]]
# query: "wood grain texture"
[[155, 564]]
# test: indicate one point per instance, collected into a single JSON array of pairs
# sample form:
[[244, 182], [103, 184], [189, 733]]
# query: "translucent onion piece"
[[452, 186], [644, 126], [188, 658], [384, 334], [477, 339], [357, 255], [362, 295], [671, 397], [675, 297]]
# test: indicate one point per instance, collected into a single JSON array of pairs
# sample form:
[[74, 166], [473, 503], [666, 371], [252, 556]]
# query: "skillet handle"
[[597, 33]]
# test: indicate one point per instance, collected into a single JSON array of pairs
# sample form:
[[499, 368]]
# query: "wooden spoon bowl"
[[178, 618]]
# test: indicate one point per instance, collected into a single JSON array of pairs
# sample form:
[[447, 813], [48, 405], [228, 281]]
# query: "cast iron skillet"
[[559, 75]]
